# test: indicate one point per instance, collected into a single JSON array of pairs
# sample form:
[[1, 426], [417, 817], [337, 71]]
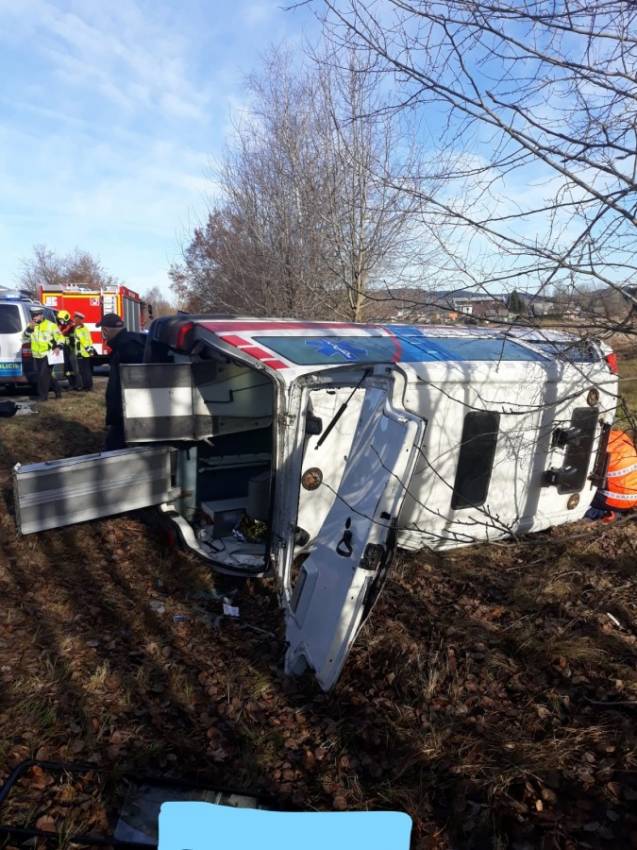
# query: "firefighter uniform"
[[83, 349], [44, 337], [67, 329], [620, 488]]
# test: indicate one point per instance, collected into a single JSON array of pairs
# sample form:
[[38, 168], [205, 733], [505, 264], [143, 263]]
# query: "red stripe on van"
[[229, 326]]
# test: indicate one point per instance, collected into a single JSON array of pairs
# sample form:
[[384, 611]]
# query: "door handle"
[[344, 546]]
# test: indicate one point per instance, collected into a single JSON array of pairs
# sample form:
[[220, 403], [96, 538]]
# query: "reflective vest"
[[83, 341], [43, 336], [620, 490]]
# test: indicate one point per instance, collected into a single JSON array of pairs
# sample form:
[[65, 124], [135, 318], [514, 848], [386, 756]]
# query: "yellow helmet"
[[64, 315]]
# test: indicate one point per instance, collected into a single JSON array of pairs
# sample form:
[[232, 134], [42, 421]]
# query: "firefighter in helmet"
[[71, 371], [44, 336], [83, 351]]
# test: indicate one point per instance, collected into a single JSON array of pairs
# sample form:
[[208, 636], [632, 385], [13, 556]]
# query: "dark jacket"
[[126, 347]]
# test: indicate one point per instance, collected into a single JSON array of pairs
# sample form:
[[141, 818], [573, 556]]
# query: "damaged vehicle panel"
[[310, 450]]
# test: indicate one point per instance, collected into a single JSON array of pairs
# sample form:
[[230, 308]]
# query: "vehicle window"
[[10, 320], [477, 451], [403, 347], [575, 352], [51, 316]]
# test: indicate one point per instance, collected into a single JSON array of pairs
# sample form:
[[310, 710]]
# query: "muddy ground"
[[492, 694]]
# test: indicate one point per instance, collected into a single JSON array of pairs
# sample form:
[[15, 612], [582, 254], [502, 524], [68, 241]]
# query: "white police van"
[[16, 363], [310, 450]]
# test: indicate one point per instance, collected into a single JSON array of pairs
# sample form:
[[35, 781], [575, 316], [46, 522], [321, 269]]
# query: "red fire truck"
[[94, 303]]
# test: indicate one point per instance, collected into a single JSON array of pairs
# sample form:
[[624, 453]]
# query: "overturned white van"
[[311, 450]]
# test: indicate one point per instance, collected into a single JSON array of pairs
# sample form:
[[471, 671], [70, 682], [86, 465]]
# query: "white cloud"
[[111, 117], [258, 12], [122, 56]]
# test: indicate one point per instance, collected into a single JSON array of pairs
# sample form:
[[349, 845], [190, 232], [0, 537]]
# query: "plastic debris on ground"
[[230, 610], [139, 815]]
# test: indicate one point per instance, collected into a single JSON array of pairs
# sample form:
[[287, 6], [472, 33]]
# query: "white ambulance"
[[311, 450]]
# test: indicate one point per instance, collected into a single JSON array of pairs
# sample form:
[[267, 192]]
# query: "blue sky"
[[112, 116]]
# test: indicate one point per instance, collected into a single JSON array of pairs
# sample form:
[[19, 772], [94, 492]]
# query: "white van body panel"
[[11, 338]]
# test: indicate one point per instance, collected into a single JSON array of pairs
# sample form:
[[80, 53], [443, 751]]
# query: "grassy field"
[[627, 362], [492, 695]]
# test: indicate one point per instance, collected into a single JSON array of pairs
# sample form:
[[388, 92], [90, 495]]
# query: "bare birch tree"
[[371, 233], [261, 249], [309, 222]]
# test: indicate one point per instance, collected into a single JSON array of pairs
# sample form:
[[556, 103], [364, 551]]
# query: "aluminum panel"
[[63, 492], [164, 402], [159, 405]]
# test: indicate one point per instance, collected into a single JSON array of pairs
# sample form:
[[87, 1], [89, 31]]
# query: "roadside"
[[492, 694]]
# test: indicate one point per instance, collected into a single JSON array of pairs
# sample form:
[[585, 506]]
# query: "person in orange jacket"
[[619, 493]]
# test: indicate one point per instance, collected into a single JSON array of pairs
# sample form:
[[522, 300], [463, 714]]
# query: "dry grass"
[[491, 695], [627, 361]]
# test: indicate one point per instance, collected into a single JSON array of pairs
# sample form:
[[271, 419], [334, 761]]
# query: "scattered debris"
[[212, 595], [10, 408], [230, 610], [25, 408]]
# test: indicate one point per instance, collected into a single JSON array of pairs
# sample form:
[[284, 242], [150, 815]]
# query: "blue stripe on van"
[[404, 345], [462, 348]]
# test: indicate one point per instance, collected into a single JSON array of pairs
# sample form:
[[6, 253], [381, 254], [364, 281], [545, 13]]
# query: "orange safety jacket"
[[620, 492]]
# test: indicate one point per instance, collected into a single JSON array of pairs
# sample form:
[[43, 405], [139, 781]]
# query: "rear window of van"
[[10, 322], [406, 347]]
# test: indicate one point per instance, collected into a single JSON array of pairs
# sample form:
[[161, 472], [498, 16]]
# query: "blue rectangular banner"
[[10, 368], [206, 826]]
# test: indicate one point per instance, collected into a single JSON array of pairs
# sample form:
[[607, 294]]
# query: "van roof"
[[16, 295], [304, 346]]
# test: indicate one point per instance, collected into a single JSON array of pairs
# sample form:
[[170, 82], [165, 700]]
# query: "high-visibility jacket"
[[83, 341], [44, 336], [620, 489]]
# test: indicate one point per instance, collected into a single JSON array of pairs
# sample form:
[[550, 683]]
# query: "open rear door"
[[161, 401], [169, 402], [339, 581], [76, 489]]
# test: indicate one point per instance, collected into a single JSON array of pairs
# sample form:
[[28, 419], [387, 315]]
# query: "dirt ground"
[[492, 695]]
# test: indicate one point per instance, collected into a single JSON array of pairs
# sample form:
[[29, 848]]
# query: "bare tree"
[[309, 222], [80, 268], [83, 269], [42, 268], [160, 304], [533, 106], [260, 250], [370, 220]]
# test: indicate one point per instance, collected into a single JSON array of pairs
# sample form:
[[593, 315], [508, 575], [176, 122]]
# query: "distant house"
[[409, 304], [542, 305], [611, 302]]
